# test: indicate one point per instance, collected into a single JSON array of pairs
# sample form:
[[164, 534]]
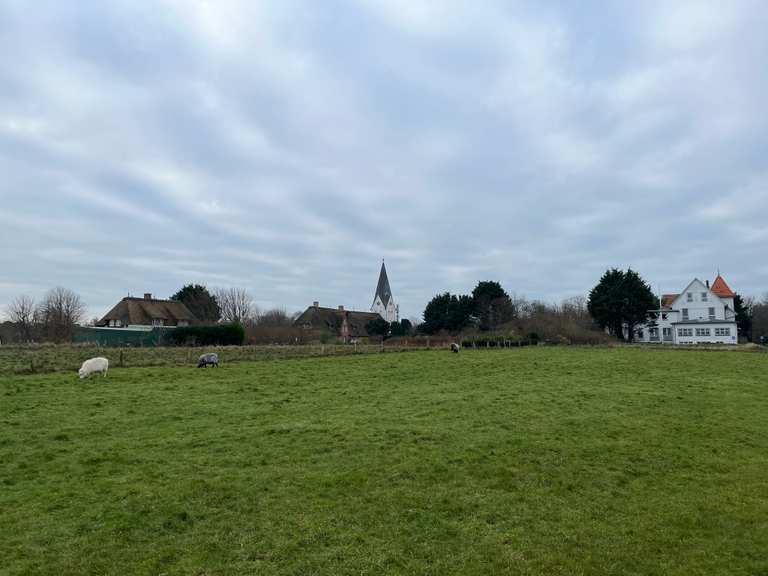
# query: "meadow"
[[540, 460], [42, 358]]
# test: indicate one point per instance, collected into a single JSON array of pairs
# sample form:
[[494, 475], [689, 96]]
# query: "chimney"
[[707, 283], [341, 308], [147, 296], [316, 304]]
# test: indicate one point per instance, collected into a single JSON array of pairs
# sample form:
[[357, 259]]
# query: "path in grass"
[[531, 461]]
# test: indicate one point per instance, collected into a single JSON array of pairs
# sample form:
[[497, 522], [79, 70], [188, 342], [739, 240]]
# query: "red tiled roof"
[[720, 288], [667, 299]]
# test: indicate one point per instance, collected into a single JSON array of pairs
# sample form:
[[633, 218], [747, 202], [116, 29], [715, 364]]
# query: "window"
[[702, 332], [667, 333], [703, 296], [685, 313], [118, 323], [722, 331], [640, 334], [157, 321], [653, 333], [711, 313], [685, 332], [690, 296]]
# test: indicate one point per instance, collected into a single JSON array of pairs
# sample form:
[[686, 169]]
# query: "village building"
[[351, 324], [147, 313], [345, 324], [700, 314]]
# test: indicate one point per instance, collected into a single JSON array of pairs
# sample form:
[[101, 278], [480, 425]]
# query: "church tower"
[[383, 303]]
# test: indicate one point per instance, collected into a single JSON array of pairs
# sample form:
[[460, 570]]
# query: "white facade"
[[383, 303], [697, 315]]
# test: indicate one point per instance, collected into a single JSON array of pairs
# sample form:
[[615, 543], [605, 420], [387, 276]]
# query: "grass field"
[[39, 359], [530, 461]]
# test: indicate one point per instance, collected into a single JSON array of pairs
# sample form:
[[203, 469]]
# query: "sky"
[[287, 147]]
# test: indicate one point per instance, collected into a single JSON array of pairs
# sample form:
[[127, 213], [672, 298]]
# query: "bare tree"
[[274, 318], [59, 312], [21, 311], [236, 304]]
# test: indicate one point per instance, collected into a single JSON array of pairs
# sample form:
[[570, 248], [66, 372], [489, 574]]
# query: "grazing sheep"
[[93, 366], [206, 359], [455, 347]]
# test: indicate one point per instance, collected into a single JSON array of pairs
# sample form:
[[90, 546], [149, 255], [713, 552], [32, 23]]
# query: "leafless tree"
[[21, 311], [760, 319], [236, 304], [275, 317], [59, 312]]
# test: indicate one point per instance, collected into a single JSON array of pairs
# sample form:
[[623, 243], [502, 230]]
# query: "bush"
[[208, 335]]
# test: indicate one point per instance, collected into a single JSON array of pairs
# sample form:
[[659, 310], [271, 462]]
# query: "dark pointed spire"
[[383, 290]]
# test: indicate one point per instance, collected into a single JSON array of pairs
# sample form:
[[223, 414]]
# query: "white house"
[[700, 314], [383, 303]]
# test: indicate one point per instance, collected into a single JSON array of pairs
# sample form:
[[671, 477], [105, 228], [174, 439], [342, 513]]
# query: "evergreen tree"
[[435, 314], [743, 308], [493, 306], [621, 299], [459, 313], [377, 327], [200, 302]]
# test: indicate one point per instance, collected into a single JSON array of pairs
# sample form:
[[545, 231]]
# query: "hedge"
[[207, 335]]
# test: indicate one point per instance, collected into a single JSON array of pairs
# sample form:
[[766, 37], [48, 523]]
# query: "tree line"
[[619, 302], [55, 317]]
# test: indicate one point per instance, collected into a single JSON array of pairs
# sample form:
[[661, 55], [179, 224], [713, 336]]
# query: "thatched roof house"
[[336, 321], [147, 311]]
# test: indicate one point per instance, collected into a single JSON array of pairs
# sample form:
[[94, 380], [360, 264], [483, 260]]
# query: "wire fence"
[[38, 359]]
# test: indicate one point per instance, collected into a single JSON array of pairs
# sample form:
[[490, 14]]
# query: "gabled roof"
[[383, 290], [144, 310], [331, 320], [667, 299], [721, 288]]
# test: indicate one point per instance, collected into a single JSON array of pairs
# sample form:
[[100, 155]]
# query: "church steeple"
[[383, 290], [383, 303]]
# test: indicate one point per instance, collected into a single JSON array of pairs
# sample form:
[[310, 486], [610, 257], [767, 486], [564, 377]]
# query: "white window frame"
[[704, 297], [689, 296]]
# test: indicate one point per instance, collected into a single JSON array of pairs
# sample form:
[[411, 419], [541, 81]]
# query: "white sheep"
[[93, 366], [455, 347]]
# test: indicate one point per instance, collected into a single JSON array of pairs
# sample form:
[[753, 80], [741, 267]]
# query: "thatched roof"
[[144, 310], [332, 319]]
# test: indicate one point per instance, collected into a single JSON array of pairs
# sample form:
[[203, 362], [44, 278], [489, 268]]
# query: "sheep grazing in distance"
[[93, 366], [455, 347], [206, 359]]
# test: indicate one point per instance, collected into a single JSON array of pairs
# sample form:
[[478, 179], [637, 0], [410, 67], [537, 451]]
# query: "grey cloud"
[[288, 146]]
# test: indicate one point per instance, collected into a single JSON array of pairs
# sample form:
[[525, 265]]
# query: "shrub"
[[231, 334]]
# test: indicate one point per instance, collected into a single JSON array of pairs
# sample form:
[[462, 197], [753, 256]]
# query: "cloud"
[[287, 147]]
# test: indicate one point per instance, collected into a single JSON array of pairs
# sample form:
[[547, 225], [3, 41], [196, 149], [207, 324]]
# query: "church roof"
[[383, 290], [720, 288]]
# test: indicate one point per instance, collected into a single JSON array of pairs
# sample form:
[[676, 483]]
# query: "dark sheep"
[[208, 359]]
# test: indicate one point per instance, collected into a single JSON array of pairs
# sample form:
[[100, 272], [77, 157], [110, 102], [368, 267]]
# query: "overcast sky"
[[287, 147]]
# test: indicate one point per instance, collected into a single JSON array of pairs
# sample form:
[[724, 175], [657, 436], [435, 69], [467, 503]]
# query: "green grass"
[[38, 359], [531, 461]]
